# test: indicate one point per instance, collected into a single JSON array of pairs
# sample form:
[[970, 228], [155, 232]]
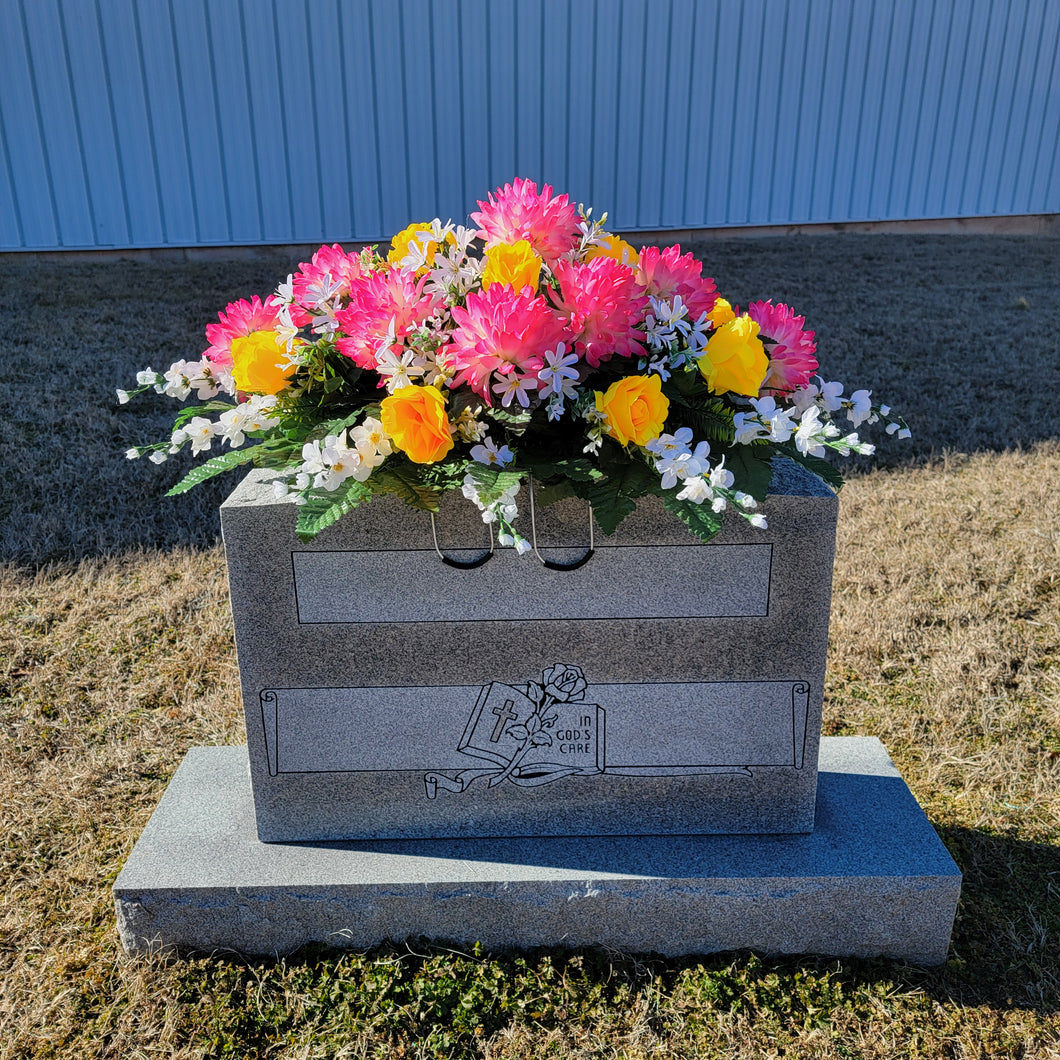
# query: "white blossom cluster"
[[672, 337], [501, 510], [678, 462], [327, 464], [802, 422]]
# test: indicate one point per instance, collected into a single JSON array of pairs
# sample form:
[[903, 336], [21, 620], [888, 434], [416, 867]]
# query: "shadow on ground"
[[956, 332]]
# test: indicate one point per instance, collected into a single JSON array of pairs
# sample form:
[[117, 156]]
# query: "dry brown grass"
[[945, 642]]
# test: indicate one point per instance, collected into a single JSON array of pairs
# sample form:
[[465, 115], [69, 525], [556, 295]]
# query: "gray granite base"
[[873, 879]]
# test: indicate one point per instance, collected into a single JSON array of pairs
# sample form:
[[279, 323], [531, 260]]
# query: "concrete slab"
[[873, 879]]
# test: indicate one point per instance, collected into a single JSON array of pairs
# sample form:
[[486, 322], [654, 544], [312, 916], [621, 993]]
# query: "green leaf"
[[577, 469], [324, 508], [821, 468], [610, 504], [188, 413], [216, 466], [404, 480], [701, 519], [491, 482], [751, 467], [710, 420]]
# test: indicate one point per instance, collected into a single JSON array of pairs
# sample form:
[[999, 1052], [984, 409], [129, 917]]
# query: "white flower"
[[780, 421], [398, 371], [555, 378], [831, 396], [177, 385], [513, 385], [341, 462], [696, 489], [200, 432], [132, 454], [148, 377], [488, 453], [905, 432], [158, 457], [370, 435], [748, 429], [678, 442], [758, 520], [123, 397], [859, 407], [721, 477], [812, 434]]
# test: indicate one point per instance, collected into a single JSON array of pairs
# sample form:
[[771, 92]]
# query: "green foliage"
[[322, 508], [751, 466], [191, 411], [405, 479], [215, 466], [699, 518], [708, 417], [491, 482]]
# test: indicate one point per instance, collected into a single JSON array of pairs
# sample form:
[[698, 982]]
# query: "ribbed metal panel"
[[137, 123]]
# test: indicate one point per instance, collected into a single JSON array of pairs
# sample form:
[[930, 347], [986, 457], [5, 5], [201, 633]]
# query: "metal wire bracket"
[[462, 564], [552, 564]]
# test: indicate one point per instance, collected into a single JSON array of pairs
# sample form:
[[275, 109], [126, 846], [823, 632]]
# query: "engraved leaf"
[[517, 732]]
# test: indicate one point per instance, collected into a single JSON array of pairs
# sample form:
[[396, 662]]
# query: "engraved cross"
[[504, 714]]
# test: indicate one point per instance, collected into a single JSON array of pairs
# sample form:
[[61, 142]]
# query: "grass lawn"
[[116, 655]]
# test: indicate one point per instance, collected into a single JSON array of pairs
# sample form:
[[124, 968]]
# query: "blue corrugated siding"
[[138, 123]]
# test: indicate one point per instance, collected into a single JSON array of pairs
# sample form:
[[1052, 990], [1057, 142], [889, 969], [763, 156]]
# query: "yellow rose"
[[401, 244], [414, 419], [255, 363], [512, 263], [614, 247], [735, 359], [636, 408], [721, 313]]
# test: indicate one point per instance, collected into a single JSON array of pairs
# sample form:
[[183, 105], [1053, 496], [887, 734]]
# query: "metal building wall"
[[140, 123]]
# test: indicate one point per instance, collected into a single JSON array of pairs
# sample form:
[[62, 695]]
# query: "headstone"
[[666, 686]]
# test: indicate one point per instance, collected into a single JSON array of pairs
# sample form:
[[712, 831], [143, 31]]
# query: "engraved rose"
[[564, 683]]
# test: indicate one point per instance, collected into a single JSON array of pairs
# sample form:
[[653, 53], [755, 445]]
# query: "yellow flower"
[[636, 408], [401, 244], [255, 363], [721, 313], [512, 263], [735, 359], [614, 247], [414, 419]]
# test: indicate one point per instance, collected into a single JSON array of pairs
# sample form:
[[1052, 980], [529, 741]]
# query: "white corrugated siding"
[[139, 123]]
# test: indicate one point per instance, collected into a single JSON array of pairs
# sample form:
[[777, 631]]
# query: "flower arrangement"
[[534, 347]]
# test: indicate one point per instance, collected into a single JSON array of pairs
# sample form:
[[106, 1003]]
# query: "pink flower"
[[328, 275], [791, 359], [601, 305], [666, 273], [379, 301], [503, 331], [240, 318], [549, 225]]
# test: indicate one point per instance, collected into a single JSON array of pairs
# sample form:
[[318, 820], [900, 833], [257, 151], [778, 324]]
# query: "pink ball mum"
[[517, 211], [601, 305], [504, 331], [376, 300], [240, 318], [667, 273], [792, 360]]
